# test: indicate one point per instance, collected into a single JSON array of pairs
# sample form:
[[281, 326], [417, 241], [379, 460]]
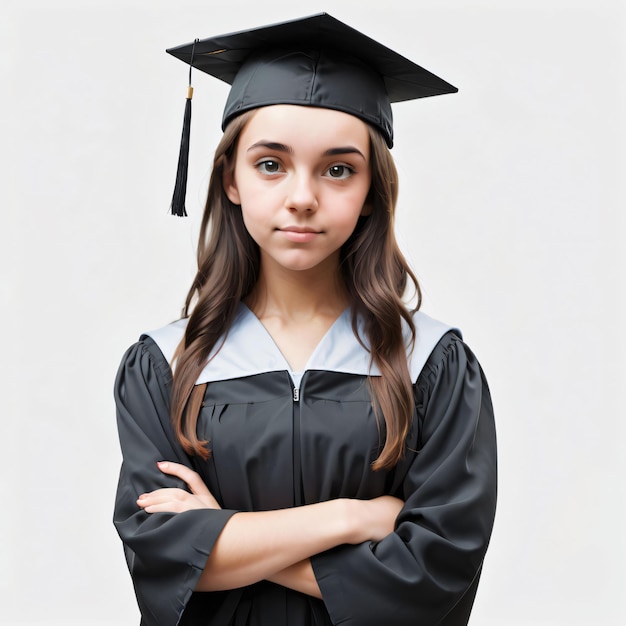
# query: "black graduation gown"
[[280, 440]]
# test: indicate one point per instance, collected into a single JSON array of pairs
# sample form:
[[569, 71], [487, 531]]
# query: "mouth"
[[299, 234], [299, 229]]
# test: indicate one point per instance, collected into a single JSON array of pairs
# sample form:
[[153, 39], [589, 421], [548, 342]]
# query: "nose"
[[302, 193]]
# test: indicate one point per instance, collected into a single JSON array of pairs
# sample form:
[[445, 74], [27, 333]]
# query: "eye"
[[340, 172], [269, 167]]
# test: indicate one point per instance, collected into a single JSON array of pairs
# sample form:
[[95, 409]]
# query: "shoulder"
[[143, 378], [149, 358], [451, 365], [166, 338], [429, 333]]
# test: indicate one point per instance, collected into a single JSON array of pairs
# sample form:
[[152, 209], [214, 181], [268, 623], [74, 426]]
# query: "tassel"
[[180, 188]]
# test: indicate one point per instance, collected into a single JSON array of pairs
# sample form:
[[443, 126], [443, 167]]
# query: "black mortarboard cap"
[[314, 61]]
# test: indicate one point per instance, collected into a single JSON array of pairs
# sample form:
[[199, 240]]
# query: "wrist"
[[351, 515]]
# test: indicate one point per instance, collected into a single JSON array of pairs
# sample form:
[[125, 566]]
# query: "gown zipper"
[[298, 495]]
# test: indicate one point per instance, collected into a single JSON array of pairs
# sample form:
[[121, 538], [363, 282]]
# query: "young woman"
[[300, 448]]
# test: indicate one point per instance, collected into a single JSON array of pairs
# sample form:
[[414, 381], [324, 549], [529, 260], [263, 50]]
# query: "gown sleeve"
[[165, 552], [427, 570]]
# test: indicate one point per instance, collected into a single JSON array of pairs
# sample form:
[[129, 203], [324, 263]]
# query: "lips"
[[299, 234], [299, 229]]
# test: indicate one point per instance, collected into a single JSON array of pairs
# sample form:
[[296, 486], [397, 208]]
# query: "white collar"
[[249, 349]]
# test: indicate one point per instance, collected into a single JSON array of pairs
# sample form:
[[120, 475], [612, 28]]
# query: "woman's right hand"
[[174, 500], [375, 519]]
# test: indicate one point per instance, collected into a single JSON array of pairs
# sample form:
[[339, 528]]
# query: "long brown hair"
[[375, 272]]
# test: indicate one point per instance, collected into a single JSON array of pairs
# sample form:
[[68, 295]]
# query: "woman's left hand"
[[172, 500]]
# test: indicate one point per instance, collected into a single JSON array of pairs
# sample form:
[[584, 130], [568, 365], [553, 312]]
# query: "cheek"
[[254, 220], [249, 219], [355, 205], [345, 223], [252, 193]]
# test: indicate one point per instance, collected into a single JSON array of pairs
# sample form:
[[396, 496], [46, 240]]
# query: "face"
[[301, 176]]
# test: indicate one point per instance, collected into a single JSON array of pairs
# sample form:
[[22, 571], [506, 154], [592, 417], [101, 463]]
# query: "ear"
[[230, 186]]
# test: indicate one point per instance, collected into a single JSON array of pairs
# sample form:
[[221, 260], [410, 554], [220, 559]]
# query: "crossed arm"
[[274, 545]]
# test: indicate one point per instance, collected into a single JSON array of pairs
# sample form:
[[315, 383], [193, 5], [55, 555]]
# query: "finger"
[[185, 473], [162, 495], [172, 503], [167, 507]]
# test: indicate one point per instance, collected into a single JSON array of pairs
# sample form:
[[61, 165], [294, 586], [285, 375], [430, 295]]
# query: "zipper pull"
[[296, 394]]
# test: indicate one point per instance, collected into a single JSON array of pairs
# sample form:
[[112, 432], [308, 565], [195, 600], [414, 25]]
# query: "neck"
[[298, 295]]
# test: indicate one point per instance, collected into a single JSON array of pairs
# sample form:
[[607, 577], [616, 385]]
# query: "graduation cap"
[[313, 61]]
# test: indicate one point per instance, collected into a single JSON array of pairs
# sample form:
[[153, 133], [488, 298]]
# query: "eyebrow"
[[271, 145], [344, 150], [281, 147]]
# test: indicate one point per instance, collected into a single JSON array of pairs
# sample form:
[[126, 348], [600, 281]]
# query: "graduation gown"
[[280, 439]]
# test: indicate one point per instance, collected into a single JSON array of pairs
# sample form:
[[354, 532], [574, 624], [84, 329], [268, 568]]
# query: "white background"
[[511, 210]]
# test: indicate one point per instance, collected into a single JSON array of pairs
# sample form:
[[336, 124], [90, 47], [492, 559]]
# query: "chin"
[[303, 263]]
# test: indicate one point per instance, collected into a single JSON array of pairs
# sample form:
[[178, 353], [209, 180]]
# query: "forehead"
[[296, 125]]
